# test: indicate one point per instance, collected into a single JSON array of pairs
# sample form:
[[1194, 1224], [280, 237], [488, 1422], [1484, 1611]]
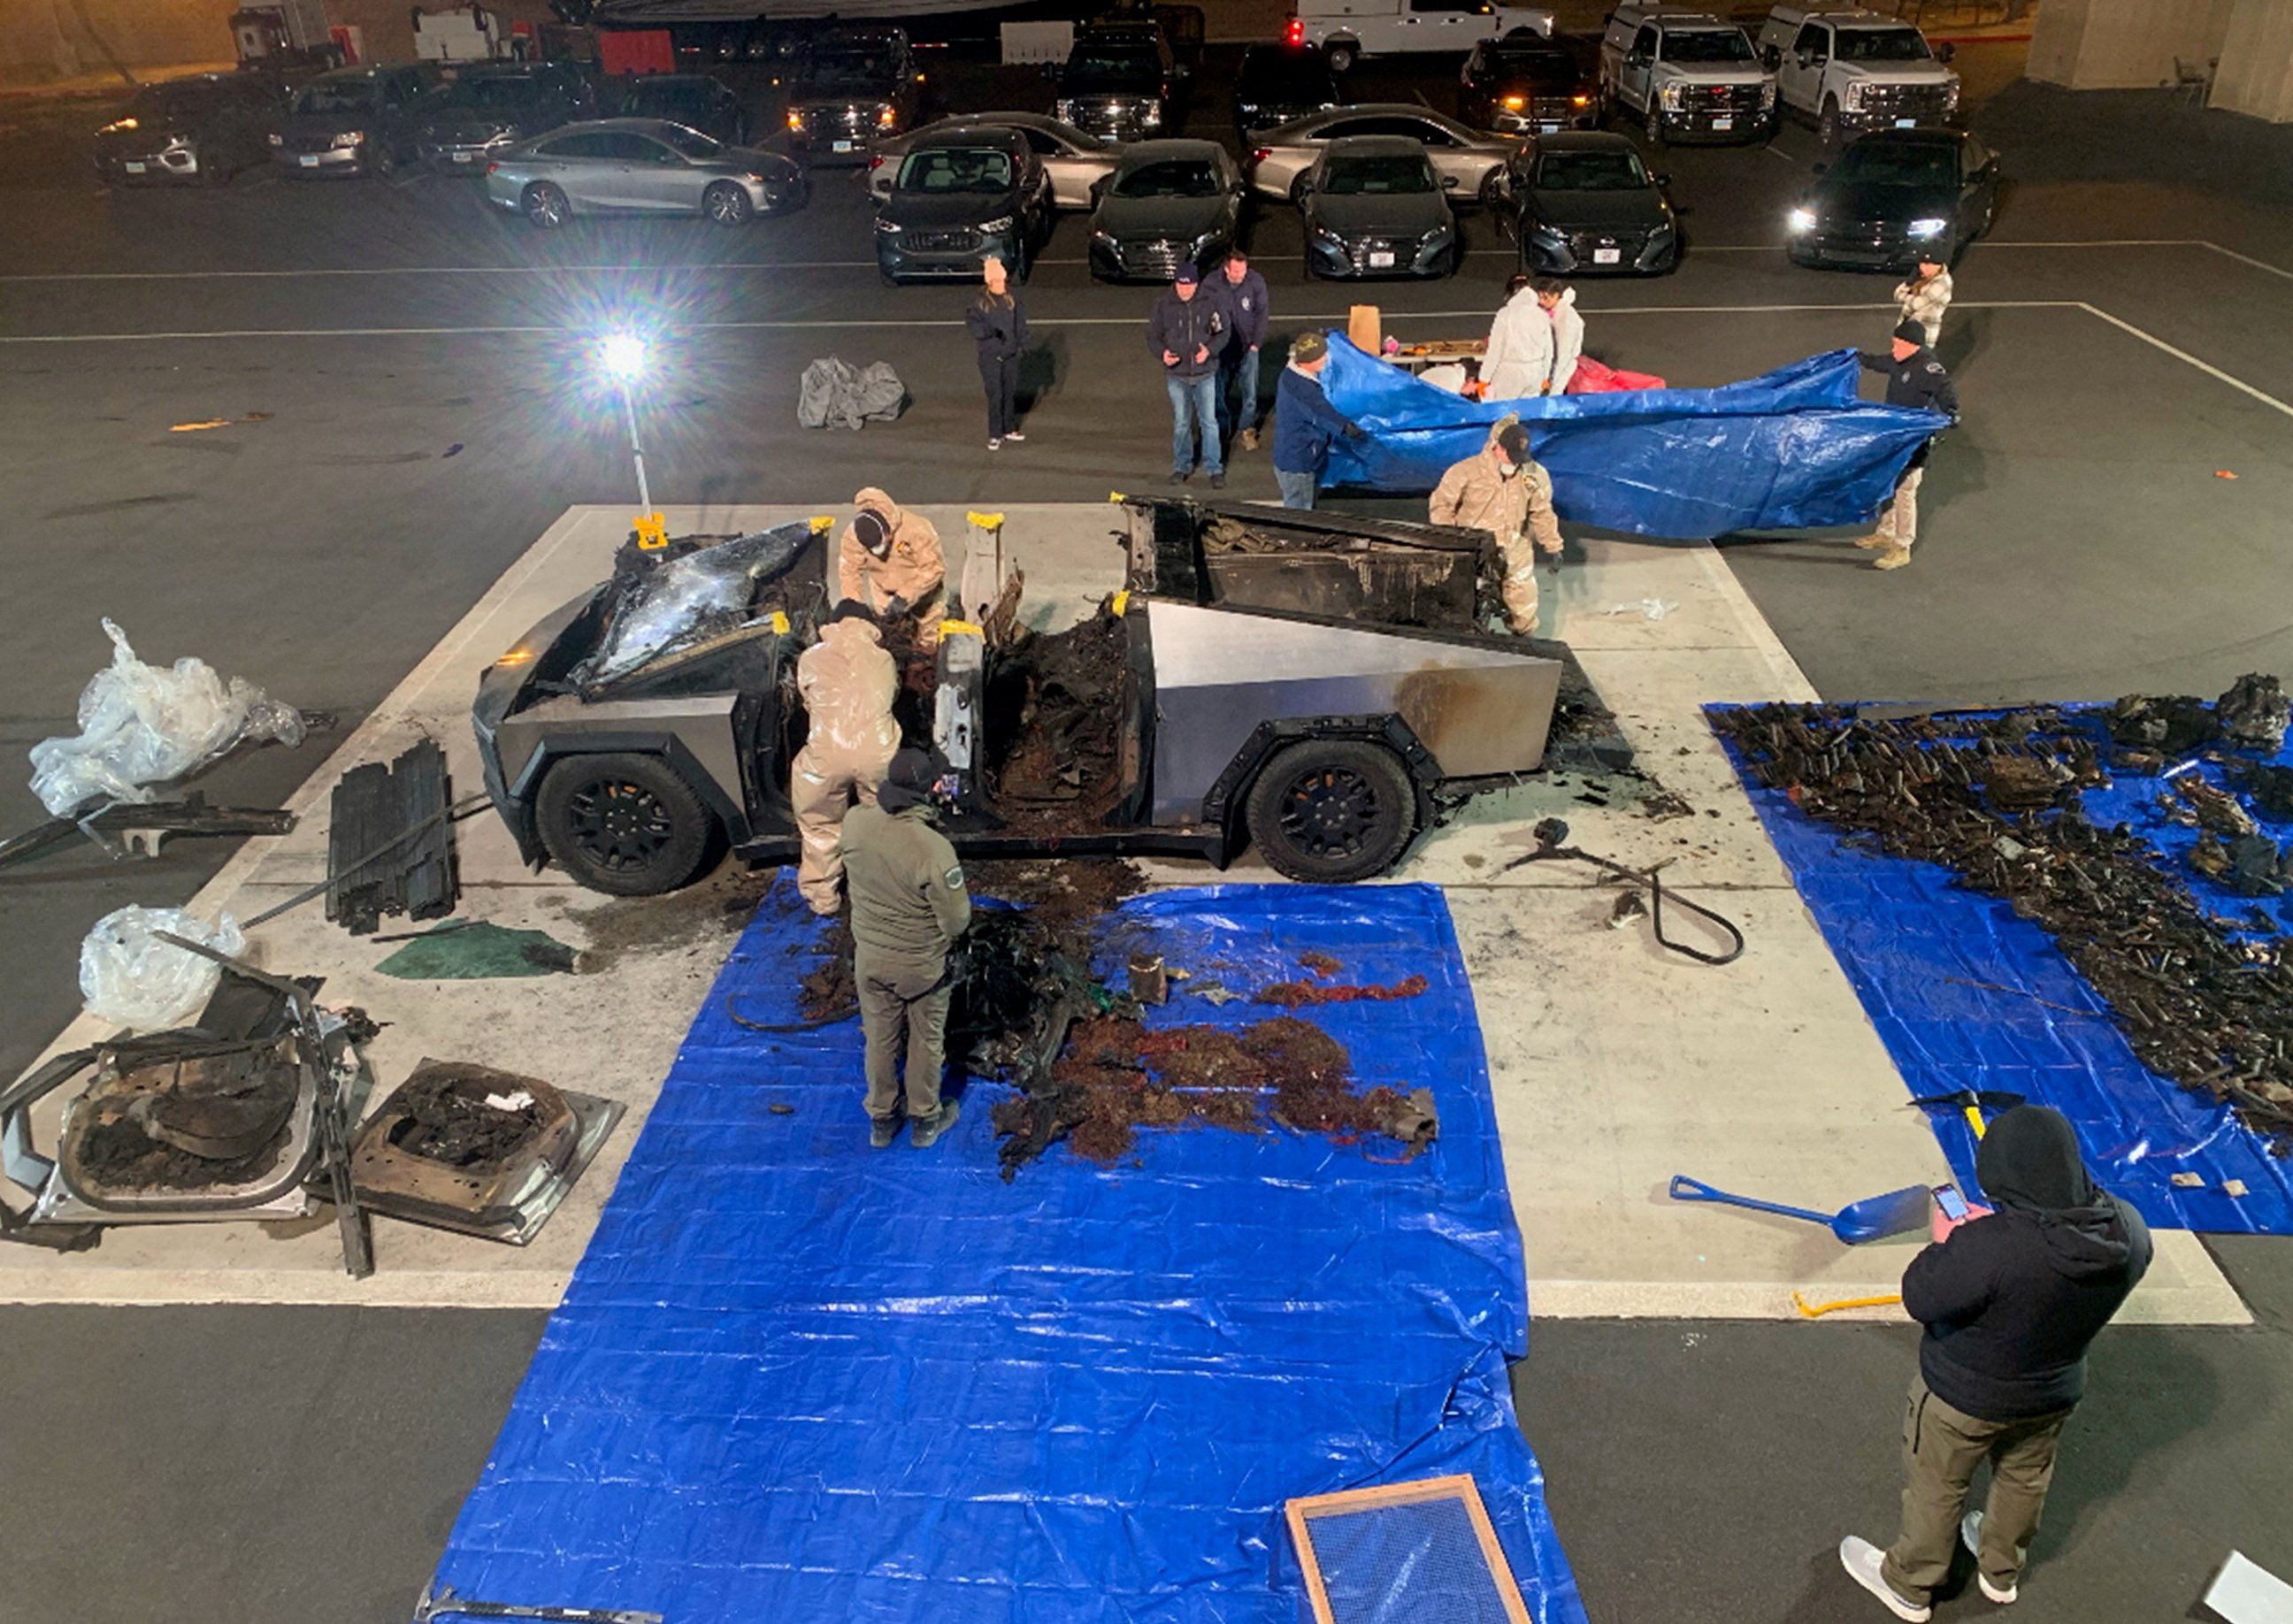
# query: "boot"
[[1250, 440], [1893, 558], [1873, 542], [882, 1131], [926, 1131]]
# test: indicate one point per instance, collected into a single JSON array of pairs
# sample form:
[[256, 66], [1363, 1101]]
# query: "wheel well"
[[1223, 805], [673, 751]]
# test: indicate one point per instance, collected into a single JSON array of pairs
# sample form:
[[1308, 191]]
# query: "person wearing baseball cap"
[[1187, 333], [1915, 379], [1305, 422], [1502, 489]]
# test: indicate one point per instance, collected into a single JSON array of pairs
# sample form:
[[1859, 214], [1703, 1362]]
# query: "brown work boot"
[[1871, 541], [1250, 440], [1893, 558]]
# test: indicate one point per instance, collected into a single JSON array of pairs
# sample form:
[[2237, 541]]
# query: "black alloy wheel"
[[628, 825], [1332, 810]]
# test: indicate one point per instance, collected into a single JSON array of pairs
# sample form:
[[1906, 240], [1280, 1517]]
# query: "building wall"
[[2256, 62], [42, 39], [2125, 45]]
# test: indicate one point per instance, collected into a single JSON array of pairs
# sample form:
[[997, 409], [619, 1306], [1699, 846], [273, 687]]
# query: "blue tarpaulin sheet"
[[1794, 449], [1965, 994], [795, 1378]]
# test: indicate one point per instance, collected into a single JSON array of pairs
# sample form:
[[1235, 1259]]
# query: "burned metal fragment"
[[390, 841], [2254, 713]]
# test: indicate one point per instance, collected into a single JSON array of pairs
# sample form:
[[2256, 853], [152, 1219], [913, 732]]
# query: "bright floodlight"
[[625, 357]]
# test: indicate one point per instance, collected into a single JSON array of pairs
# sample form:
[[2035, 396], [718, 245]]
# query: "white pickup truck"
[[1344, 31], [1851, 71], [1684, 75]]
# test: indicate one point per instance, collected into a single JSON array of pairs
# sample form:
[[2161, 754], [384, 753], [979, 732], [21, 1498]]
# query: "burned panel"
[[390, 846]]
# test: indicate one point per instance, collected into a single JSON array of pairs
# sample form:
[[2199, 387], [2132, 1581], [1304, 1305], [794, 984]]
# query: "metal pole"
[[630, 406]]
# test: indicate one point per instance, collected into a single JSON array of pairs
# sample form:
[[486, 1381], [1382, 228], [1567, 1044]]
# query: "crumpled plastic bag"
[[131, 978], [139, 725], [835, 394]]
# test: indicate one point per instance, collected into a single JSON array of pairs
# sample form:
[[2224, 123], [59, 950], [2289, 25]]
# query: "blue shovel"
[[1873, 1218]]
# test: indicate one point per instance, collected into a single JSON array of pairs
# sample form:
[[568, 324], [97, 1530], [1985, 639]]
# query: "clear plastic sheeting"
[[1965, 994], [796, 1378], [130, 977], [1793, 449], [141, 725], [688, 600], [1405, 1564]]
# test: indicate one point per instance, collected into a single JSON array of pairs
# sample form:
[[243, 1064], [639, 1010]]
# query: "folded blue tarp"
[[798, 1380], [1795, 449]]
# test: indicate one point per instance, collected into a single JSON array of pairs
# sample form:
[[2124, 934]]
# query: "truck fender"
[[1222, 806], [733, 816]]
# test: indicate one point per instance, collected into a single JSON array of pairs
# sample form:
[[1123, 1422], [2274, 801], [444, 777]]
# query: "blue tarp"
[[1914, 944], [1795, 449], [798, 1379]]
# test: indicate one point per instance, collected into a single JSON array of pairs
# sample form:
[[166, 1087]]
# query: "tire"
[[1652, 122], [386, 161], [544, 206], [1827, 126], [1342, 54], [726, 204], [627, 824], [1332, 810]]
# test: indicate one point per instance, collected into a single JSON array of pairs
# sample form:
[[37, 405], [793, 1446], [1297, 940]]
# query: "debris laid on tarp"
[[2048, 853], [1793, 449], [477, 951], [137, 829], [131, 978], [390, 841], [835, 394], [1293, 995], [139, 725]]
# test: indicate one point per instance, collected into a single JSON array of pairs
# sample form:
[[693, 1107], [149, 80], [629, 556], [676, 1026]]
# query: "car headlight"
[[1923, 229], [1668, 98], [1066, 109], [886, 116], [276, 140], [1001, 223], [1514, 104], [350, 138], [1801, 220], [1101, 236], [1950, 97], [1544, 230], [887, 226], [1151, 118], [1441, 233], [1323, 233], [1767, 94], [1851, 98], [796, 118], [119, 126]]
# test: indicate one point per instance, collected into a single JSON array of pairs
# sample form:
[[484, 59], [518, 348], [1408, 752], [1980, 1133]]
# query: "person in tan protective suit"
[[890, 560], [1504, 491], [847, 682]]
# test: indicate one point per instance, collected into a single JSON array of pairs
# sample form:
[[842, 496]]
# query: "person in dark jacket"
[[1242, 292], [1916, 379], [997, 323], [1305, 422], [1187, 334], [2010, 1296]]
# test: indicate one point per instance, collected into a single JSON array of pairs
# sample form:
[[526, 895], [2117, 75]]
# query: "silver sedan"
[[1464, 158], [1076, 161], [640, 167]]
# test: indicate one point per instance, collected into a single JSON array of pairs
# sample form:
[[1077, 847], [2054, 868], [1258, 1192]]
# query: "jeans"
[[1001, 375], [1297, 488], [1238, 389], [1194, 406]]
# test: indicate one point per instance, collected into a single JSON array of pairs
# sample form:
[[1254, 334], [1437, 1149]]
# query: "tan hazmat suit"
[[914, 571], [1516, 508], [847, 682]]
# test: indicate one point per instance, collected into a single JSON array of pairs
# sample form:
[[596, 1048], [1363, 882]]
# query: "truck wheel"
[[1332, 810], [1826, 125], [628, 825], [1652, 124], [1341, 55]]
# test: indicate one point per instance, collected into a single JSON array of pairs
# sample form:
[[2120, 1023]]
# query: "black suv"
[[858, 85], [1277, 84], [693, 100], [494, 105], [201, 130], [1524, 83], [960, 198], [1121, 83], [356, 121]]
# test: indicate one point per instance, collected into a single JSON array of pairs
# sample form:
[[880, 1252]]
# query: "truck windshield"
[[1591, 172], [1112, 62], [849, 68], [1706, 45], [1534, 67], [1883, 46]]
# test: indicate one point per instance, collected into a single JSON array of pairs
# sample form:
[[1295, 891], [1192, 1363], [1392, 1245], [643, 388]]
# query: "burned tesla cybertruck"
[[1317, 685]]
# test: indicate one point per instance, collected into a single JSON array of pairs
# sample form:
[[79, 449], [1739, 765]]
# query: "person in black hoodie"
[[998, 324], [2010, 1296]]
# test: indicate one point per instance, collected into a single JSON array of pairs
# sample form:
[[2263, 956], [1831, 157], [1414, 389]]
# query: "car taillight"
[[875, 163], [1295, 34], [493, 168], [1259, 155]]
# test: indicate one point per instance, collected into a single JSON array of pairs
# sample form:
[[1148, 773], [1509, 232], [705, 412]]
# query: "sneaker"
[[1017, 437], [1873, 542], [928, 1129], [1893, 558], [1178, 475], [882, 1131], [1250, 440], [1969, 1535], [1862, 1559], [1218, 482], [995, 445]]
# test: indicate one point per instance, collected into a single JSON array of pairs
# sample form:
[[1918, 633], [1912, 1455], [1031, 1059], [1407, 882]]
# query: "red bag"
[[1593, 378]]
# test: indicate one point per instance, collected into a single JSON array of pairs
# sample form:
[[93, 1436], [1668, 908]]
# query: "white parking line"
[[2210, 370]]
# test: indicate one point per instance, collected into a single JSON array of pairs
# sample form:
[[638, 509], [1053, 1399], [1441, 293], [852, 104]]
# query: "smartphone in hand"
[[1952, 1204]]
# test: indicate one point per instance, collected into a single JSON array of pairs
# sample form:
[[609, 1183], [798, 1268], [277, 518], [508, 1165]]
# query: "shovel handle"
[[1687, 1189]]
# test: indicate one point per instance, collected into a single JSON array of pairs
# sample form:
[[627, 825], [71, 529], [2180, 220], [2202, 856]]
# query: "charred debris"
[[1995, 798]]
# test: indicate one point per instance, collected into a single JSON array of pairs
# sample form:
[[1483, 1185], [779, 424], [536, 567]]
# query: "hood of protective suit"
[[1567, 302], [2030, 1166], [879, 502]]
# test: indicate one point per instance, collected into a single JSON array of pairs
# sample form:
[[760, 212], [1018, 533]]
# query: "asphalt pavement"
[[405, 382]]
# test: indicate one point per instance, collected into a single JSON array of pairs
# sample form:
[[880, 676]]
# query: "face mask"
[[1511, 470]]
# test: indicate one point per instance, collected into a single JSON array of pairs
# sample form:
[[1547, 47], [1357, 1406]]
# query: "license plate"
[[1381, 262], [134, 168], [1907, 123], [841, 146], [309, 160], [1607, 256], [1723, 124], [461, 158]]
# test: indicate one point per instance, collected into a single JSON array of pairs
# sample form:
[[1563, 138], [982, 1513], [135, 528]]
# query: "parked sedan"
[[1373, 207], [1582, 201], [640, 167], [1168, 201], [963, 196], [352, 122], [1076, 161], [1525, 82], [1897, 197], [1462, 158], [1279, 82], [693, 100], [199, 130], [493, 105]]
